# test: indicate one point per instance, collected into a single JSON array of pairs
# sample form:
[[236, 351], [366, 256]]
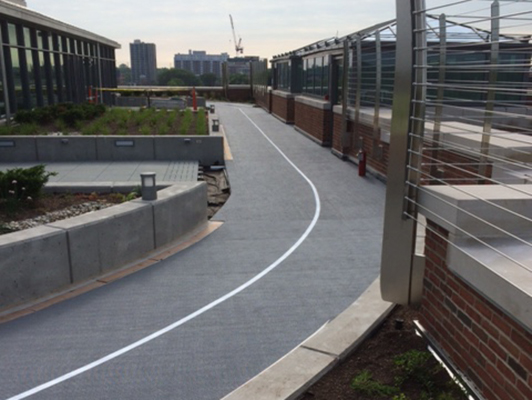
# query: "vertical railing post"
[[358, 95], [397, 262], [346, 136], [377, 154], [438, 110], [417, 129], [378, 86], [490, 96]]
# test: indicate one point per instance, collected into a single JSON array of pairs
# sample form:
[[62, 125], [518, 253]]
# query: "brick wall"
[[315, 122], [241, 95], [377, 152], [491, 349], [284, 108], [454, 168], [262, 98]]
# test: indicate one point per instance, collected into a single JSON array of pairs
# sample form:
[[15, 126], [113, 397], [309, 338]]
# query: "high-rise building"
[[199, 62], [45, 61], [240, 65], [143, 63]]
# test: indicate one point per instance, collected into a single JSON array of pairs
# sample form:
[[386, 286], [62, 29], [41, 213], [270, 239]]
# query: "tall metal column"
[[346, 136], [438, 111], [490, 97], [399, 230], [4, 79]]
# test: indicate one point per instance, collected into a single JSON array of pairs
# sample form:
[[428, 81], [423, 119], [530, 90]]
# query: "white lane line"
[[197, 313]]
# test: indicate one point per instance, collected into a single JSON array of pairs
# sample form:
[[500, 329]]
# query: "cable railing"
[[473, 125]]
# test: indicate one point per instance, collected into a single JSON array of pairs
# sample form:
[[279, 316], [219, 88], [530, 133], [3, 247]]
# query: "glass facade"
[[316, 76], [46, 67], [283, 76]]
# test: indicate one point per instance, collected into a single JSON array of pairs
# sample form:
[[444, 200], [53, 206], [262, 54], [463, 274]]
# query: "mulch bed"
[[53, 202], [376, 355]]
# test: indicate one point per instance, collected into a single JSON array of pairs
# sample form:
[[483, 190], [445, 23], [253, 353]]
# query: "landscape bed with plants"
[[393, 364], [24, 205], [96, 119]]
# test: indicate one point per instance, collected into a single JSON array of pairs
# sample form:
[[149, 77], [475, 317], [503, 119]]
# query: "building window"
[[283, 75], [12, 34], [316, 76]]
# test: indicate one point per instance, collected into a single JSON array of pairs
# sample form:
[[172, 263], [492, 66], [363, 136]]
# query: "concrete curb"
[[39, 261], [293, 374], [180, 244]]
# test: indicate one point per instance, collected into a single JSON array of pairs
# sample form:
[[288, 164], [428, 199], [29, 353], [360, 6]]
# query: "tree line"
[[180, 77]]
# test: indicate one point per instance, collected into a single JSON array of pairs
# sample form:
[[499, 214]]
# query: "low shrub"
[[23, 183]]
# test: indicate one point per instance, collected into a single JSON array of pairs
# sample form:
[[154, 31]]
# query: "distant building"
[[143, 63], [46, 61], [240, 65], [199, 62]]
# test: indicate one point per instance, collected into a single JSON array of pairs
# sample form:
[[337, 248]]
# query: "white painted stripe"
[[197, 313]]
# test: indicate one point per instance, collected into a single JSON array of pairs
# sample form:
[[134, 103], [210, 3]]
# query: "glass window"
[[17, 78], [2, 103], [58, 43], [325, 77], [55, 90], [27, 37], [44, 83], [31, 78], [40, 43], [12, 33], [283, 75]]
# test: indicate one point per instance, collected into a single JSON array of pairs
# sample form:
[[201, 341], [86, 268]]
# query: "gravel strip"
[[53, 216]]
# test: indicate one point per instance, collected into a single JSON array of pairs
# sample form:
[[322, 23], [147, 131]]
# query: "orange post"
[[194, 101]]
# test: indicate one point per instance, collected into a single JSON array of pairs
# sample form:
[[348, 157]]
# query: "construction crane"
[[238, 46]]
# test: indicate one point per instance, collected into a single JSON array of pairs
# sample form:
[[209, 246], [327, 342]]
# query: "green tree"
[[168, 74], [175, 82], [123, 74], [209, 79], [239, 79]]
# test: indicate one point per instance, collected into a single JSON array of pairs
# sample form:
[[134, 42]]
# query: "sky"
[[267, 28]]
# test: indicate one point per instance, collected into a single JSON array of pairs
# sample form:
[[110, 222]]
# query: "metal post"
[[100, 84], [378, 85], [438, 112], [346, 136], [418, 112], [4, 80], [358, 99], [400, 232], [490, 97]]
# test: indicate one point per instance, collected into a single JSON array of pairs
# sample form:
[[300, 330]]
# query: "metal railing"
[[468, 123]]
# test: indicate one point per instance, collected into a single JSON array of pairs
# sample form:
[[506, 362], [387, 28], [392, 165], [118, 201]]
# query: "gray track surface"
[[270, 208]]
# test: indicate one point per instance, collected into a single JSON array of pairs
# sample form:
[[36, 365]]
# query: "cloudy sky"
[[267, 27]]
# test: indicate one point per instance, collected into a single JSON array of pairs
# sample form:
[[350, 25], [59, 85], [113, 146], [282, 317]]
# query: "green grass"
[[119, 121]]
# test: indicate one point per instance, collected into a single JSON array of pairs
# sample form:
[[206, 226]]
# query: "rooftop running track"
[[301, 240]]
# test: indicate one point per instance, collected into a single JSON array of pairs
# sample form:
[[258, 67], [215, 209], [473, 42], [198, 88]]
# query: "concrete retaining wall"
[[208, 150], [39, 261]]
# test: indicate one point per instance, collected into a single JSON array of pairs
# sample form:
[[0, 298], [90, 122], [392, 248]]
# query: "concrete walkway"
[[109, 171], [301, 241]]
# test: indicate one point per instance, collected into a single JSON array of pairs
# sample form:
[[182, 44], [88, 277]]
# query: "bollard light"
[[215, 125], [148, 185]]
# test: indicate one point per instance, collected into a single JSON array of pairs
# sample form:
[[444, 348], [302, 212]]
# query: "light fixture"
[[215, 125], [148, 186]]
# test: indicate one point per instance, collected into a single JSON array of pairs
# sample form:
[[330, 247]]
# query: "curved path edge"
[[293, 374]]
